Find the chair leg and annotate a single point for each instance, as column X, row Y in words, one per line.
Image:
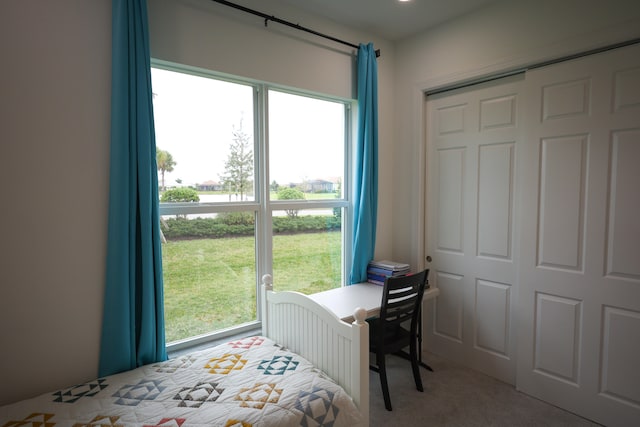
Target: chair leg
column 383, row 382
column 415, row 366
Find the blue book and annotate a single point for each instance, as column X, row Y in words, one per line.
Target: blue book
column 380, row 271
column 376, row 277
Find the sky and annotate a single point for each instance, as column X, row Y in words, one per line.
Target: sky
column 195, row 117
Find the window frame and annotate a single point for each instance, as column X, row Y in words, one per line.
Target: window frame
column 262, row 206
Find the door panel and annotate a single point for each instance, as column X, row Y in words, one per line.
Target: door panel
column 472, row 136
column 492, row 302
column 557, row 337
column 579, row 253
column 623, row 247
column 448, row 317
column 495, row 200
column 451, row 162
column 562, row 186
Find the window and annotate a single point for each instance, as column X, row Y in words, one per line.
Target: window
column 306, row 153
column 252, row 179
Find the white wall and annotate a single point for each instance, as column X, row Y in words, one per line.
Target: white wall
column 504, row 36
column 55, row 84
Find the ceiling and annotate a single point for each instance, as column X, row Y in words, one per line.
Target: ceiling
column 390, row 19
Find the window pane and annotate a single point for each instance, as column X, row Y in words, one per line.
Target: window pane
column 207, row 157
column 307, row 249
column 209, row 272
column 306, row 144
column 206, row 126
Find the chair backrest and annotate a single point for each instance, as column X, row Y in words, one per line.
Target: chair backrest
column 401, row 300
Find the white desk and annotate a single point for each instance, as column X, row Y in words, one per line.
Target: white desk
column 344, row 300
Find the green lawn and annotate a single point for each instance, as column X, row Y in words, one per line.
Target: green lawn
column 209, row 284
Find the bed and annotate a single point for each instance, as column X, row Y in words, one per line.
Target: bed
column 306, row 368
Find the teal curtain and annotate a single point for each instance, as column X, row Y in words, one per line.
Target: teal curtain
column 366, row 171
column 133, row 317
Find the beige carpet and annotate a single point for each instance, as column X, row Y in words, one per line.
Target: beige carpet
column 457, row 396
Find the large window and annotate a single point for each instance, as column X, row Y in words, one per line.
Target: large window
column 253, row 179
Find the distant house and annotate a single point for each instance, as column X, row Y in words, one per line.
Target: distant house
column 209, row 186
column 318, row 186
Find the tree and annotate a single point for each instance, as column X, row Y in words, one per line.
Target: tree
column 337, row 212
column 288, row 193
column 238, row 169
column 165, row 163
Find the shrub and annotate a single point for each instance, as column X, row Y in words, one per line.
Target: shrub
column 308, row 224
column 236, row 218
column 182, row 194
column 212, row 228
column 181, row 228
column 289, row 193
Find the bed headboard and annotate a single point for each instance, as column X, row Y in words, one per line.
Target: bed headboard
column 339, row 349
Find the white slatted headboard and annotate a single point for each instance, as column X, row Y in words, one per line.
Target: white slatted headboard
column 339, row 349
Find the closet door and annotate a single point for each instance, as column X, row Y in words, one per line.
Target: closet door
column 472, row 139
column 579, row 257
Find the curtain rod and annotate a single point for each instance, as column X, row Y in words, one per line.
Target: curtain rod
column 268, row 18
column 524, row 69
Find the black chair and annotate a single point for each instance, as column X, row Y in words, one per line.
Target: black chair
column 401, row 303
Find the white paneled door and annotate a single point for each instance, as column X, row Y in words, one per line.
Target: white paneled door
column 579, row 257
column 473, row 139
column 533, row 228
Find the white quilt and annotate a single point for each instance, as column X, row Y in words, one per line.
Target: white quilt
column 250, row 382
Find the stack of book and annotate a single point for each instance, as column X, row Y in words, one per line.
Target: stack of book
column 378, row 271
